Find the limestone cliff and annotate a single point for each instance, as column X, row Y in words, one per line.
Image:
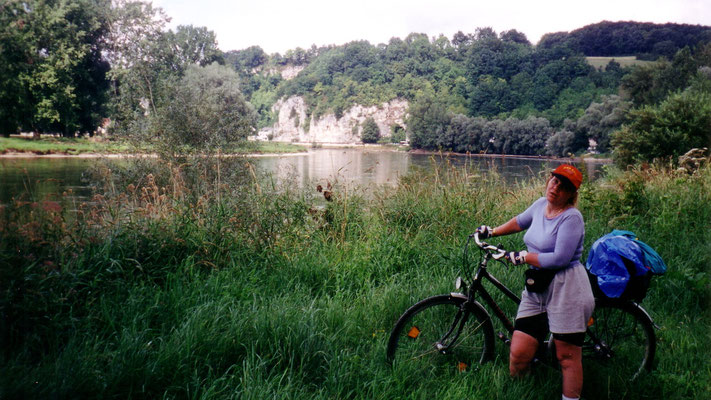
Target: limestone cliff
column 293, row 125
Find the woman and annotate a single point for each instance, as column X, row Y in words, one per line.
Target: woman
column 554, row 241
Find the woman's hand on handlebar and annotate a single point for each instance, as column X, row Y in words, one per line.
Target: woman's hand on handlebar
column 485, row 231
column 496, row 252
column 517, row 257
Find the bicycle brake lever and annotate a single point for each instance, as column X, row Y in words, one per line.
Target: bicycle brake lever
column 501, row 253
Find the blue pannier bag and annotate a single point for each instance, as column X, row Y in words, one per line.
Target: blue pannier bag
column 616, row 266
column 652, row 260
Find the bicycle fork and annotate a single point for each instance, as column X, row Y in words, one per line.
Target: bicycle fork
column 460, row 319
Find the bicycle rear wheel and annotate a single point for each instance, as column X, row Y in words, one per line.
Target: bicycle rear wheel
column 620, row 344
column 442, row 331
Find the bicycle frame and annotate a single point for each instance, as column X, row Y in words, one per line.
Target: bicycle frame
column 477, row 287
column 461, row 318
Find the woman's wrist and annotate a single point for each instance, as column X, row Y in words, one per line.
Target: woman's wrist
column 493, row 232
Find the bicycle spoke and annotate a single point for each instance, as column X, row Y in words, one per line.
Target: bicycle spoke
column 439, row 330
column 620, row 343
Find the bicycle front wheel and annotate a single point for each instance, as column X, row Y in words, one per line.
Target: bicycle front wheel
column 620, row 344
column 442, row 331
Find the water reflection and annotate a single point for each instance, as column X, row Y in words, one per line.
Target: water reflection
column 366, row 167
column 34, row 179
column 47, row 178
column 351, row 166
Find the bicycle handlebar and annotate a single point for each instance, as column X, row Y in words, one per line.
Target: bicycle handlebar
column 496, row 252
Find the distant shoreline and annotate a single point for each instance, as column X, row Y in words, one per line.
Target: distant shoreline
column 30, row 154
column 515, row 156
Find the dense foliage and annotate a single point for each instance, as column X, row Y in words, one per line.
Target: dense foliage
column 645, row 40
column 52, row 71
column 433, row 125
column 679, row 123
column 169, row 88
column 206, row 111
column 67, row 65
column 478, row 75
column 468, row 93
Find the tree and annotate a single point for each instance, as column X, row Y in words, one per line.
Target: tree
column 492, row 96
column 52, row 67
column 206, row 112
column 561, row 143
column 149, row 65
column 527, row 136
column 514, row 36
column 370, row 132
column 191, row 45
column 428, row 119
column 14, row 50
column 245, row 61
column 460, row 39
column 679, row 123
column 136, row 54
column 600, row 120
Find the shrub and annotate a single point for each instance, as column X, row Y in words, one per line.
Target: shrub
column 371, row 131
column 207, row 112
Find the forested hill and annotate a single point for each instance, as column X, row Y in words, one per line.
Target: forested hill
column 486, row 91
column 645, row 40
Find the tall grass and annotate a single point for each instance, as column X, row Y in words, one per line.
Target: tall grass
column 163, row 288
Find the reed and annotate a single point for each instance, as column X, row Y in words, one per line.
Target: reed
column 163, row 288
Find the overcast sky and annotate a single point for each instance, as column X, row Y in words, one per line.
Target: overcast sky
column 280, row 25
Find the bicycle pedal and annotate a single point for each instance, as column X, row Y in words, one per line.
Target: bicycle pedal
column 504, row 338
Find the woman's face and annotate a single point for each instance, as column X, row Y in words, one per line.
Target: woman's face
column 555, row 193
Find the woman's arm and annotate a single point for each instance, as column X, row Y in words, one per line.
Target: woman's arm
column 506, row 229
column 567, row 241
column 512, row 227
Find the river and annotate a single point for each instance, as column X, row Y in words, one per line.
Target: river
column 37, row 178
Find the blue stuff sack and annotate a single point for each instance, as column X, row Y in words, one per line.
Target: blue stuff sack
column 652, row 260
column 616, row 267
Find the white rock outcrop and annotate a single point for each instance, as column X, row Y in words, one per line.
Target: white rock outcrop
column 292, row 119
column 290, row 71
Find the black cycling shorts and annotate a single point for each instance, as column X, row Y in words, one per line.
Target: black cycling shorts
column 537, row 326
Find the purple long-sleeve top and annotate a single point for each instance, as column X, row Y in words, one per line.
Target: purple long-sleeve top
column 558, row 240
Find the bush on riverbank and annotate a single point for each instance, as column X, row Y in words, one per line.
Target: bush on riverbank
column 157, row 291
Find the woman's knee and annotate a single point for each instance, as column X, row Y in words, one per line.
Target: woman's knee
column 569, row 355
column 523, row 349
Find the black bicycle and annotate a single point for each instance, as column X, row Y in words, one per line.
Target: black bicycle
column 455, row 330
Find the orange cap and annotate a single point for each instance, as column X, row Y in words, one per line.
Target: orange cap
column 570, row 173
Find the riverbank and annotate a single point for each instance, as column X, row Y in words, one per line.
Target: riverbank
column 54, row 147
column 88, row 148
column 584, row 157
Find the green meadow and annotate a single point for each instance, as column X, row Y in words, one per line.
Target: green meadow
column 209, row 283
column 624, row 61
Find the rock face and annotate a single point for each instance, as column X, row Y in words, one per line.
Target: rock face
column 291, row 71
column 294, row 126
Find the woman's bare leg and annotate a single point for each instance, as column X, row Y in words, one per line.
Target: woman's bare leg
column 570, row 358
column 523, row 349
